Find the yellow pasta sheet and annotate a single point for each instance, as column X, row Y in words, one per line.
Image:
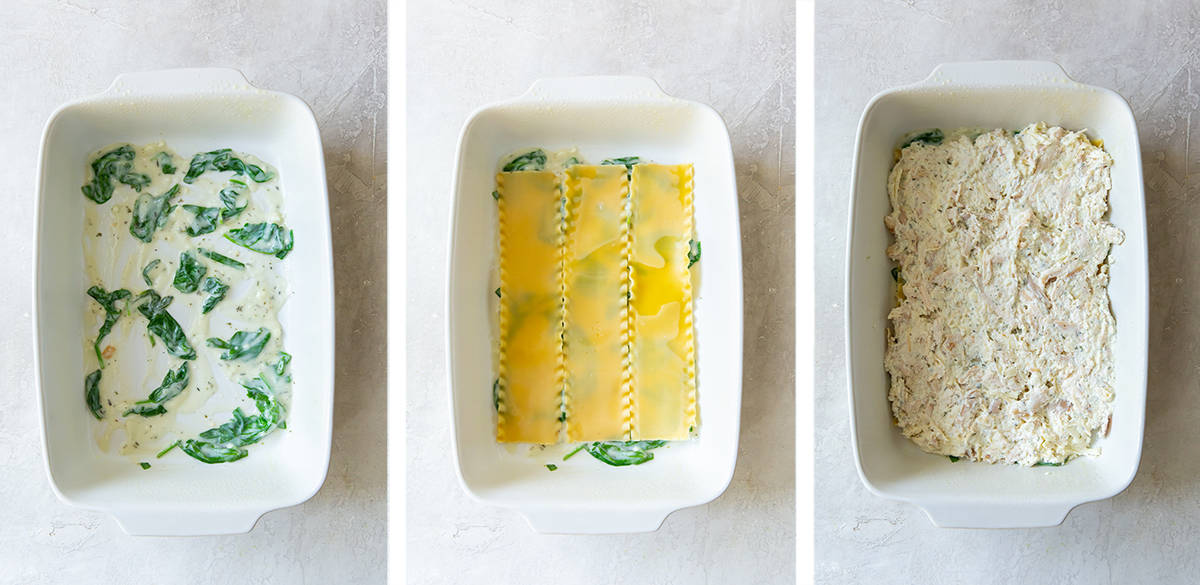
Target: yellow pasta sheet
column 597, row 283
column 664, row 386
column 530, row 385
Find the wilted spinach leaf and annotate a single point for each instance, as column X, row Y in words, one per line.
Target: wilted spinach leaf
column 116, row 164
column 172, row 385
column 205, row 220
column 934, row 136
column 621, row 453
column 216, row 290
column 165, row 163
column 91, row 394
column 534, row 160
column 267, row 238
column 244, row 345
column 187, row 277
column 285, row 358
column 164, row 325
column 229, row 199
column 223, row 160
column 221, row 258
column 107, row 300
column 693, row 252
column 150, row 266
column 625, row 161
column 150, row 213
column 227, row 442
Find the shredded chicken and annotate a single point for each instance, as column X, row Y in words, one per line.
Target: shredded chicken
column 1000, row 348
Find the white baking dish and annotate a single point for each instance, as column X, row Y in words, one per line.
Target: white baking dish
column 603, row 117
column 1000, row 94
column 193, row 110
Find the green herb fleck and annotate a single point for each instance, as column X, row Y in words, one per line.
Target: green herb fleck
column 167, row 450
column 223, row 160
column 116, row 164
column 1048, row 464
column 496, row 195
column 91, row 394
column 150, row 214
column 953, row 458
column 496, row 394
column 551, row 466
column 144, row 464
column 244, row 345
column 266, row 238
column 497, row 292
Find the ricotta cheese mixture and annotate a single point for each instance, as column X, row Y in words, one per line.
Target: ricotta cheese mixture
column 183, row 340
column 1000, row 349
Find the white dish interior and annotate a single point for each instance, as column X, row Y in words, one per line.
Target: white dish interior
column 603, row 117
column 192, row 110
column 964, row 494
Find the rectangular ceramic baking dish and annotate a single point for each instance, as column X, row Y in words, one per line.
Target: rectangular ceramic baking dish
column 998, row 94
column 603, row 117
column 193, row 110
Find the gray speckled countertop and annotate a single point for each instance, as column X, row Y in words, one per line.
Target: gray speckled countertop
column 739, row 59
column 1146, row 52
column 333, row 58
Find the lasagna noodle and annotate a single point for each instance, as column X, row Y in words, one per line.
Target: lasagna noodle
column 596, row 308
column 662, row 349
column 530, row 363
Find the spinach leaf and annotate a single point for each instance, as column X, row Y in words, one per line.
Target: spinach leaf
column 266, row 238
column 572, row 453
column 896, row 273
column 172, row 385
column 220, row 258
column 621, row 453
column 146, row 408
column 205, row 220
column 551, row 466
column 227, row 442
column 91, row 394
column 223, row 160
column 496, row 394
column 934, row 136
column 572, row 162
column 167, row 450
column 115, row 164
column 534, row 160
column 693, row 252
column 187, row 277
column 216, row 290
column 496, row 195
column 165, row 326
column 244, row 345
column 165, row 163
column 285, row 358
column 144, row 465
column 150, row 214
column 1048, row 464
column 497, row 291
column 953, row 458
column 148, row 269
column 626, row 161
column 107, row 300
column 229, row 198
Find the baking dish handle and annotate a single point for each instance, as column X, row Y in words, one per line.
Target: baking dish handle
column 178, row 81
column 592, row 88
column 186, row 522
column 605, row 521
column 997, row 73
column 996, row 515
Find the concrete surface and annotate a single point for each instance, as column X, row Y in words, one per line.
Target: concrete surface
column 1148, row 53
column 52, row 52
column 740, row 60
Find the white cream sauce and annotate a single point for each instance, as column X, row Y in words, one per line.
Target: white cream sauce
column 114, row 259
